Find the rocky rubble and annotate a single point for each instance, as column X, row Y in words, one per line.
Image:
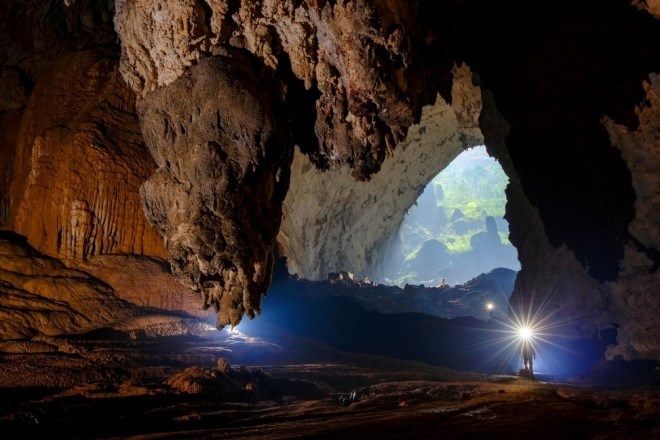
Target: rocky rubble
column 241, row 385
column 469, row 299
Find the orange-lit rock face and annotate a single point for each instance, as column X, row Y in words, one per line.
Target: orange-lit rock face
column 40, row 295
column 10, row 120
column 34, row 34
column 79, row 163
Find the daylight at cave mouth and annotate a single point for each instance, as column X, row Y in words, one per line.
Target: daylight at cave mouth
column 456, row 229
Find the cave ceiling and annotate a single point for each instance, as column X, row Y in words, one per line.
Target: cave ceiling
column 235, row 100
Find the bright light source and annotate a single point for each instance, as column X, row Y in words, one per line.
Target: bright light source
column 525, row 333
column 490, row 306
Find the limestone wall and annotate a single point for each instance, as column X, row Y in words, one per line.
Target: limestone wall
column 333, row 222
column 79, row 162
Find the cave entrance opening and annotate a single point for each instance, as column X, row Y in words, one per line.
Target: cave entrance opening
column 456, row 229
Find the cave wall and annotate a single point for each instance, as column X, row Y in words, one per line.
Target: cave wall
column 75, row 157
column 553, row 292
column 79, row 162
column 594, row 65
column 34, row 33
column 633, row 298
column 587, row 265
column 13, row 100
column 72, row 161
column 333, row 222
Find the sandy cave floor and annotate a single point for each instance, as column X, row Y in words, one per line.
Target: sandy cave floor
column 146, row 389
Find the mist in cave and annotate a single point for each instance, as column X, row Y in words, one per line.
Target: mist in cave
column 456, row 230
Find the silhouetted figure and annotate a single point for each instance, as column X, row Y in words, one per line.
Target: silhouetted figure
column 528, row 355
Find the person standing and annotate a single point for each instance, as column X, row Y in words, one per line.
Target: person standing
column 528, row 355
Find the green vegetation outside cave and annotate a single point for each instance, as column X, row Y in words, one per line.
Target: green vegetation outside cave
column 453, row 208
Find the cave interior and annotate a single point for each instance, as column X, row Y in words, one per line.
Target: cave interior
column 201, row 206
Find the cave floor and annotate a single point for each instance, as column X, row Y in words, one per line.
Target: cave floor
column 81, row 388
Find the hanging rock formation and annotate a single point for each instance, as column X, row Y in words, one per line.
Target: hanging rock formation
column 223, row 172
column 352, row 61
